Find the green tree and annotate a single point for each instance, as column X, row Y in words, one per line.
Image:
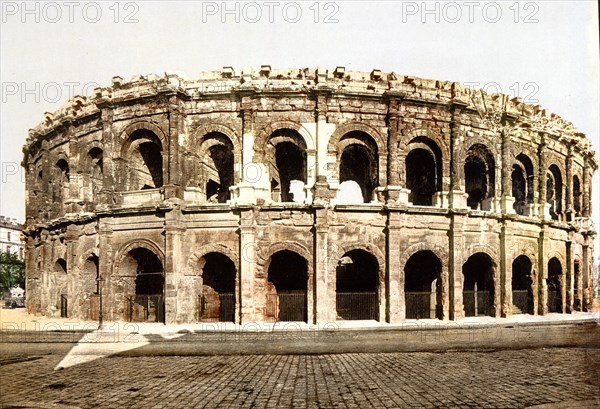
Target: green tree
column 12, row 271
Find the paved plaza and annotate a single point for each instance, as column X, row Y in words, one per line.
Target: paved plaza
column 491, row 379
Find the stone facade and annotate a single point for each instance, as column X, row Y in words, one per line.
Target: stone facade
column 305, row 195
column 10, row 236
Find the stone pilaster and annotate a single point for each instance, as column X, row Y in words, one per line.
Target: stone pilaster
column 246, row 300
column 113, row 309
column 396, row 310
column 543, row 207
column 569, row 211
column 324, row 285
column 542, row 270
column 174, row 262
column 569, row 279
column 457, row 198
column 505, row 270
column 455, row 277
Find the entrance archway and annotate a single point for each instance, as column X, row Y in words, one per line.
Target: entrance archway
column 554, row 285
column 287, row 287
column 522, row 294
column 423, row 285
column 147, row 303
column 357, row 286
column 478, row 287
column 217, row 301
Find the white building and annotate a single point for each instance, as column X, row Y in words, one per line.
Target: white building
column 10, row 236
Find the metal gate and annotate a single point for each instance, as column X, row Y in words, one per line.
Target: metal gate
column 217, row 308
column 286, row 306
column 477, row 303
column 63, row 306
column 419, row 304
column 145, row 308
column 357, row 306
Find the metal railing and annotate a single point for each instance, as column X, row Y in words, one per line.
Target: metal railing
column 554, row 301
column 217, row 307
column 477, row 303
column 286, row 306
column 420, row 304
column 63, row 306
column 357, row 306
column 522, row 301
column 145, row 308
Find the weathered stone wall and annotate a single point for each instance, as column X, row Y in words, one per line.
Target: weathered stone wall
column 132, row 191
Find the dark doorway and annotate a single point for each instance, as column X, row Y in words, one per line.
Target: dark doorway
column 478, row 288
column 522, row 294
column 357, row 276
column 421, row 177
column 554, row 285
column 148, row 302
column 287, row 287
column 217, row 302
column 423, row 285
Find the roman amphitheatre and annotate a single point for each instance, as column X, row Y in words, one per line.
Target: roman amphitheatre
column 315, row 195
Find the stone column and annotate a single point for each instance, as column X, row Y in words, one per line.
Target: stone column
column 396, row 309
column 542, row 293
column 505, row 271
column 569, row 212
column 587, row 180
column 245, row 300
column 586, row 277
column 506, row 184
column 110, row 150
column 457, row 197
column 174, row 178
column 455, row 278
column 324, row 286
column 113, row 309
column 174, row 263
column 569, row 277
column 543, row 207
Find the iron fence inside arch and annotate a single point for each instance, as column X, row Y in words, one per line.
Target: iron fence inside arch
column 286, row 306
column 217, row 307
column 477, row 303
column 357, row 305
column 145, row 308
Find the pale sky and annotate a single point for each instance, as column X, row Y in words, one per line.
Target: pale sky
column 544, row 51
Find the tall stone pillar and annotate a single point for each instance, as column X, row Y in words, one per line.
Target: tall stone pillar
column 569, row 211
column 174, row 262
column 245, row 305
column 396, row 309
column 113, row 309
column 505, row 270
column 543, row 207
column 587, row 182
column 506, row 186
column 457, row 197
column 542, row 267
column 569, row 279
column 174, row 178
column 110, row 150
column 324, row 285
column 586, row 276
column 396, row 183
column 455, row 278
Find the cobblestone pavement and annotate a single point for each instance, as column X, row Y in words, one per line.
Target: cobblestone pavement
column 492, row 379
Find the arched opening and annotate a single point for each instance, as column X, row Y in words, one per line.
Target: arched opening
column 576, row 283
column 522, row 292
column 357, row 283
column 554, row 285
column 145, row 160
column 59, row 284
column 478, row 285
column 287, row 165
column 147, row 303
column 95, row 159
column 90, row 286
column 522, row 184
column 479, row 176
column 423, row 286
column 423, row 171
column 359, row 163
column 217, row 159
column 576, row 196
column 217, row 301
column 287, row 287
column 554, row 190
column 64, row 172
